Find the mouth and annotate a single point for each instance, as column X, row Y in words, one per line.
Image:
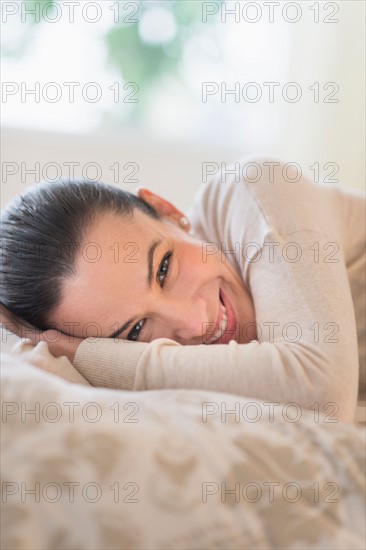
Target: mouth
column 226, row 323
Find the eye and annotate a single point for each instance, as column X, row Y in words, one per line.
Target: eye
column 161, row 276
column 164, row 268
column 135, row 332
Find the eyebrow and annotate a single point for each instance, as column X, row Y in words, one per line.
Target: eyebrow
column 150, row 275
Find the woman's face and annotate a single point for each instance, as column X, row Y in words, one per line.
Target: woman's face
column 152, row 279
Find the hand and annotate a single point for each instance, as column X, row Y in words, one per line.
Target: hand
column 59, row 344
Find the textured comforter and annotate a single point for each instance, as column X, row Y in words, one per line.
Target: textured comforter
column 91, row 468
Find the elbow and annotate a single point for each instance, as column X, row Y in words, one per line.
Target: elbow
column 338, row 398
column 332, row 383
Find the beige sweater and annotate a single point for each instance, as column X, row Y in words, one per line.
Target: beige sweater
column 305, row 270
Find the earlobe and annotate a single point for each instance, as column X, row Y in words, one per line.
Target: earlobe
column 184, row 224
column 164, row 207
column 183, row 221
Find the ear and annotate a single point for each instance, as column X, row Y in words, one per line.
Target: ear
column 165, row 208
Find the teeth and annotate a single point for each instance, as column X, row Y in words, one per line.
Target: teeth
column 223, row 326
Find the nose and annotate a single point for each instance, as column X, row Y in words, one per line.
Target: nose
column 186, row 320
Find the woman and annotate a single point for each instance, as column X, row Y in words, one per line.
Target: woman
column 261, row 294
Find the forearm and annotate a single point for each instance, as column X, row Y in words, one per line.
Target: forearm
column 276, row 372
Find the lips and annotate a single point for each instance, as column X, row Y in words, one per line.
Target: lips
column 226, row 329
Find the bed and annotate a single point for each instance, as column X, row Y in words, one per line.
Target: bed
column 93, row 468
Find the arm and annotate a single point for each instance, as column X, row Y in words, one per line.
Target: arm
column 307, row 349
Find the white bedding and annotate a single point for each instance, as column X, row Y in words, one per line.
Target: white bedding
column 150, row 469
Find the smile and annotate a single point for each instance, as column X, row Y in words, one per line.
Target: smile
column 226, row 323
column 222, row 324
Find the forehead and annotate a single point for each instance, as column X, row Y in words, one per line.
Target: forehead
column 117, row 246
column 110, row 226
column 110, row 269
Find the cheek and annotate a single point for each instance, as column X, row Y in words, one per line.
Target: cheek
column 200, row 263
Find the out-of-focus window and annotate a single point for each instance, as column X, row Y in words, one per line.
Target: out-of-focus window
column 159, row 65
column 282, row 76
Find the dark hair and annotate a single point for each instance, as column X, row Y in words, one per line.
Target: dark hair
column 42, row 232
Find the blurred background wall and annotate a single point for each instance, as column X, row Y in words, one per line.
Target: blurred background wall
column 152, row 92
